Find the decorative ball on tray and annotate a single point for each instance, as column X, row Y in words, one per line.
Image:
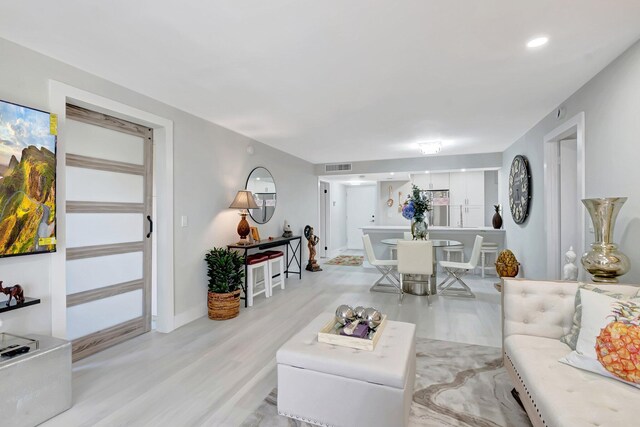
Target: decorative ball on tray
column 359, row 322
column 344, row 314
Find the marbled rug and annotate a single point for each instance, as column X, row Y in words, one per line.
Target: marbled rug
column 456, row 385
column 348, row 260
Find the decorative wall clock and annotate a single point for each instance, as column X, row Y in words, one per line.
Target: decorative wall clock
column 519, row 189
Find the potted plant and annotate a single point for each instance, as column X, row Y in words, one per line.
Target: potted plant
column 225, row 269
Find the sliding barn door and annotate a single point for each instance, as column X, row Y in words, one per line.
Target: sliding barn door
column 108, row 230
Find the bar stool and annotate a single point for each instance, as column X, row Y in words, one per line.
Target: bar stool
column 257, row 262
column 448, row 250
column 276, row 270
column 487, row 249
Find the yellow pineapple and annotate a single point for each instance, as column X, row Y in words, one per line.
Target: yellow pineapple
column 618, row 345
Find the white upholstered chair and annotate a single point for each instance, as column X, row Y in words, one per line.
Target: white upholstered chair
column 407, row 236
column 455, row 271
column 415, row 257
column 386, row 267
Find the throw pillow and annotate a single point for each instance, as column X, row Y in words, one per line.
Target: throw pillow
column 571, row 339
column 609, row 339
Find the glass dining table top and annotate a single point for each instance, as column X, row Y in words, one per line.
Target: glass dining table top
column 437, row 243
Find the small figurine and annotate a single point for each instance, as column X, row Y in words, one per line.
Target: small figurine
column 313, row 240
column 14, row 292
column 570, row 269
column 287, row 229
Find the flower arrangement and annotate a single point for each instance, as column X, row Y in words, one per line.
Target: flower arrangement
column 415, row 209
column 416, row 206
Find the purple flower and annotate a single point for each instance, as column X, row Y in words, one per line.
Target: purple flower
column 408, row 210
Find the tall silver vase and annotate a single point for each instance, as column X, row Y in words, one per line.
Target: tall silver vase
column 604, row 261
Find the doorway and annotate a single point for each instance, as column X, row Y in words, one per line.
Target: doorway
column 564, row 185
column 361, row 211
column 109, row 229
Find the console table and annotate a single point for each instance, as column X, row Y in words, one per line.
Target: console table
column 37, row 385
column 293, row 255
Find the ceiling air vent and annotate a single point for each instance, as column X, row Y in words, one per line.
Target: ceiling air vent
column 338, row 167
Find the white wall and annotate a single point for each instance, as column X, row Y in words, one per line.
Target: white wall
column 490, row 196
column 611, row 103
column 389, row 215
column 338, row 217
column 430, row 163
column 210, row 164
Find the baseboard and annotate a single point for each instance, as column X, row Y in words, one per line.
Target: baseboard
column 189, row 315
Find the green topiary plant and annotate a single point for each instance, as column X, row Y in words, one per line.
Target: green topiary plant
column 225, row 269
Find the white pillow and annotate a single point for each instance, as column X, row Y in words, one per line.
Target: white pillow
column 597, row 311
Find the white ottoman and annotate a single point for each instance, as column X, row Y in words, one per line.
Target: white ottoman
column 329, row 385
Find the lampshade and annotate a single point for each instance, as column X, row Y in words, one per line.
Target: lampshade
column 244, row 200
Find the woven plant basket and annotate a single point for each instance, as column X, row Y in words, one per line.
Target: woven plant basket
column 224, row 306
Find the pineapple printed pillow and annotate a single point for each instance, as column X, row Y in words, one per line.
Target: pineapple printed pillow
column 609, row 339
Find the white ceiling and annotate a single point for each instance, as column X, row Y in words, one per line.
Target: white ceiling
column 337, row 80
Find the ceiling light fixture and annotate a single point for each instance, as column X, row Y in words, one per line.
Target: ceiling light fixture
column 426, row 171
column 391, row 173
column 428, row 148
column 537, row 42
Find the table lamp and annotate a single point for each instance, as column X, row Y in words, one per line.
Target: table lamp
column 244, row 200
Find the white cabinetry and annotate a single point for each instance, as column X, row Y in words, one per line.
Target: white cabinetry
column 466, row 192
column 432, row 181
column 439, row 181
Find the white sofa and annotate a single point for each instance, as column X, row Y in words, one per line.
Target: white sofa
column 535, row 315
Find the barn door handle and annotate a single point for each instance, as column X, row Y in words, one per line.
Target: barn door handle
column 150, row 226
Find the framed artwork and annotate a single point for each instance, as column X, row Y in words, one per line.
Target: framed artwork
column 27, row 180
column 255, row 234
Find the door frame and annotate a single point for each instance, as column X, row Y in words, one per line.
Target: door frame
column 574, row 125
column 162, row 248
column 325, row 217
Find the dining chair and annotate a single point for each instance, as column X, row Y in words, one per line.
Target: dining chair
column 386, row 267
column 456, row 270
column 415, row 257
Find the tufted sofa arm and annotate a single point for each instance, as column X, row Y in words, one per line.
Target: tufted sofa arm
column 538, row 308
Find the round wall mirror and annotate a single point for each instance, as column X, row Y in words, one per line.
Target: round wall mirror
column 263, row 188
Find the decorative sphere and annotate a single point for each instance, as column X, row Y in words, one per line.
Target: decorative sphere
column 373, row 317
column 344, row 314
column 359, row 311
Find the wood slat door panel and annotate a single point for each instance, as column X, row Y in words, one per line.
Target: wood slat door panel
column 109, row 205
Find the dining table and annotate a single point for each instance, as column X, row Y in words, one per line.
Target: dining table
column 410, row 287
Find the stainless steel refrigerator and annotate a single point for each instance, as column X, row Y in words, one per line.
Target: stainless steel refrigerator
column 439, row 215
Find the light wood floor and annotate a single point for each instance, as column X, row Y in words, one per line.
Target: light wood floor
column 216, row 373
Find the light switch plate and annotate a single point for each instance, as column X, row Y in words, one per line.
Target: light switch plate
column 184, row 221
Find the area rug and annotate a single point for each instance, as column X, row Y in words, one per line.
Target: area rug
column 349, row 260
column 456, row 385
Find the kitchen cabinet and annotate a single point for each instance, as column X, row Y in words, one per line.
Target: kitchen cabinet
column 432, row 181
column 439, row 181
column 466, row 193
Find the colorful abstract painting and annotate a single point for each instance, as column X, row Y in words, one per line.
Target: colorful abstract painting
column 27, row 181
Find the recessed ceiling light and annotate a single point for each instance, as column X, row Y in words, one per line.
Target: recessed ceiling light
column 537, row 42
column 463, row 170
column 391, row 173
column 426, row 171
column 427, row 148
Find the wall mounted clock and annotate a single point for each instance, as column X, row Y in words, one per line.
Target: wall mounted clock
column 519, row 189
